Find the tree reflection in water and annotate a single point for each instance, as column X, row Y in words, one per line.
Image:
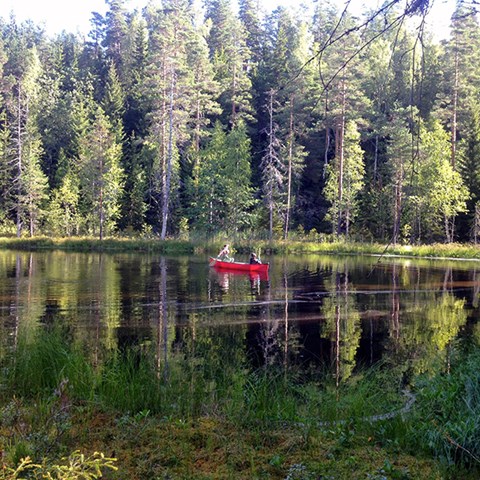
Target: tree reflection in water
column 310, row 313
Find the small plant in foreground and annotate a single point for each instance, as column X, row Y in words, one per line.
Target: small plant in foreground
column 298, row 471
column 76, row 467
column 390, row 472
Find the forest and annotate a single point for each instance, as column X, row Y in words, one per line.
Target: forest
column 175, row 122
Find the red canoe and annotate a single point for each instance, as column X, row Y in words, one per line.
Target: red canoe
column 239, row 266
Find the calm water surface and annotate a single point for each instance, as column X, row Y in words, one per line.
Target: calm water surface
column 311, row 312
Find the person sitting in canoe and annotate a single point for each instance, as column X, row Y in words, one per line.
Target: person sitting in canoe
column 224, row 254
column 254, row 260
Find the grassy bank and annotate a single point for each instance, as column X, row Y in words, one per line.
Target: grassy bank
column 83, row 244
column 197, row 420
column 308, row 245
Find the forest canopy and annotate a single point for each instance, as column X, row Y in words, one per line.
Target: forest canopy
column 173, row 122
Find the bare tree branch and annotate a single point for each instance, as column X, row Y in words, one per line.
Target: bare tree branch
column 412, row 7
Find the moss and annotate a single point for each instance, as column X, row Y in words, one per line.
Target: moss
column 213, row 448
column 216, row 449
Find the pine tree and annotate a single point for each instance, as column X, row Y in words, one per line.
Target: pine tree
column 462, row 75
column 293, row 78
column 167, row 85
column 115, row 40
column 398, row 166
column 29, row 184
column 341, row 75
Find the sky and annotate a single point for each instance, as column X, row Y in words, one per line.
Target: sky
column 74, row 15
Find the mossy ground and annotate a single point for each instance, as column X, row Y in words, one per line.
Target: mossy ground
column 210, row 448
column 148, row 447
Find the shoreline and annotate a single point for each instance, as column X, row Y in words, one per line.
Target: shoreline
column 455, row 251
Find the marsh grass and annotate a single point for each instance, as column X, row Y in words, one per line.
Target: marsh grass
column 446, row 420
column 38, row 367
column 212, row 409
column 89, row 244
column 307, row 244
column 135, row 381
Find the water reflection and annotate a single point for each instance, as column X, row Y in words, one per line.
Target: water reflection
column 256, row 279
column 309, row 313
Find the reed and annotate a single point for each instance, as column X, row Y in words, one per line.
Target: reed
column 38, row 367
column 89, row 244
column 135, row 381
column 446, row 421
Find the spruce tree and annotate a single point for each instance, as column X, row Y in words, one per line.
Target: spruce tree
column 231, row 58
column 207, row 189
column 344, row 202
column 469, row 169
column 29, row 183
column 101, row 177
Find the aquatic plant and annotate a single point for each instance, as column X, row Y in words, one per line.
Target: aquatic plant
column 446, row 419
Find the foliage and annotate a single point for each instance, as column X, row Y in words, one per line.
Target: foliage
column 205, row 408
column 220, row 191
column 234, row 124
column 345, row 202
column 449, row 406
column 77, row 466
column 101, row 176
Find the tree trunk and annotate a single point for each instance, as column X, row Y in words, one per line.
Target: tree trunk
column 289, row 173
column 454, row 112
column 340, row 155
column 397, row 208
column 168, row 177
column 102, row 215
column 271, row 153
column 340, row 159
column 327, row 136
column 19, row 163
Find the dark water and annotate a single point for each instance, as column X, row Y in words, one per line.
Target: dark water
column 311, row 312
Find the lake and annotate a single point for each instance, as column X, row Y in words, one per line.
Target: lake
column 311, row 313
